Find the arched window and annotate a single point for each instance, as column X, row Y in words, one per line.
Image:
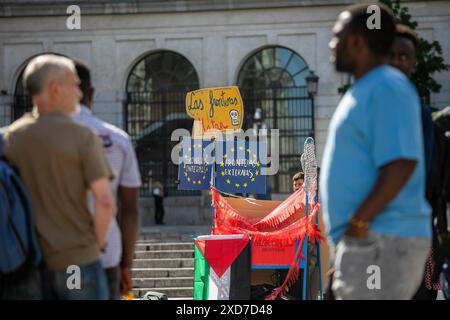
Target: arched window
column 273, row 67
column 155, row 106
column 22, row 101
column 273, row 81
column 163, row 70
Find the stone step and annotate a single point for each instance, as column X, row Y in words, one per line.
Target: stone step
column 149, row 241
column 176, row 229
column 161, row 237
column 177, row 292
column 146, row 246
column 162, row 272
column 163, row 282
column 173, row 233
column 164, row 263
column 164, row 254
column 186, row 201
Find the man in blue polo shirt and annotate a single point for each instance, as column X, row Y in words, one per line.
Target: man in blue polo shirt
column 373, row 180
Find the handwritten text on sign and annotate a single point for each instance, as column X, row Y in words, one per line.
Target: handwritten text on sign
column 216, row 108
column 195, row 168
column 240, row 169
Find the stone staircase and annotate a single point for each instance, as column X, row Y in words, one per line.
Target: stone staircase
column 164, row 261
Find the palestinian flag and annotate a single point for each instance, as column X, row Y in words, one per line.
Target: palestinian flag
column 222, row 267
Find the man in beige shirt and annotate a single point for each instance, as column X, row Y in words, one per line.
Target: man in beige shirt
column 59, row 161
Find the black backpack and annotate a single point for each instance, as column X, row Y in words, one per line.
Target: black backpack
column 441, row 206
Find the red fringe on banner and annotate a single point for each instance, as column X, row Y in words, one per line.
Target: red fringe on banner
column 281, row 227
column 292, row 275
column 285, row 212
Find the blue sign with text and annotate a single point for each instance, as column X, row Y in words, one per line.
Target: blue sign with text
column 239, row 167
column 195, row 164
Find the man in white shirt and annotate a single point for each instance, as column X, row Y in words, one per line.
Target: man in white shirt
column 118, row 257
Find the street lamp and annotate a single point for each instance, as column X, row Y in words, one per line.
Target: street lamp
column 258, row 123
column 258, row 114
column 312, row 81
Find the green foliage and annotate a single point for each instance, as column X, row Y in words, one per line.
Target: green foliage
column 429, row 55
column 343, row 89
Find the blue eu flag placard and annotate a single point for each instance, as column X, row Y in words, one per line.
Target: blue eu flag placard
column 194, row 172
column 239, row 166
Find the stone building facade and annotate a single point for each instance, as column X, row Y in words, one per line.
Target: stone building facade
column 150, row 52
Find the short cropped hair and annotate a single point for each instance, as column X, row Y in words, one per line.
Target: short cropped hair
column 406, row 32
column 379, row 40
column 43, row 68
column 84, row 74
column 298, row 176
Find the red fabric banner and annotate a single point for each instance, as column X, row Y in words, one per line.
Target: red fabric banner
column 282, row 227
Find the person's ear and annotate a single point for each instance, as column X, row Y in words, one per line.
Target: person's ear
column 356, row 42
column 53, row 89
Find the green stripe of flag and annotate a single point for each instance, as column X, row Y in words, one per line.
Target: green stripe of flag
column 201, row 275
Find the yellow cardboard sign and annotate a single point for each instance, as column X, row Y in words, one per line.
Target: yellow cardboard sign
column 215, row 109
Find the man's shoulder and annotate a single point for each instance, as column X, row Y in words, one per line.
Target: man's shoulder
column 78, row 129
column 118, row 133
column 23, row 122
column 76, row 125
column 102, row 126
column 119, row 137
column 393, row 88
column 394, row 81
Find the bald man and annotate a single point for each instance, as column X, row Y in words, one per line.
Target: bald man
column 59, row 161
